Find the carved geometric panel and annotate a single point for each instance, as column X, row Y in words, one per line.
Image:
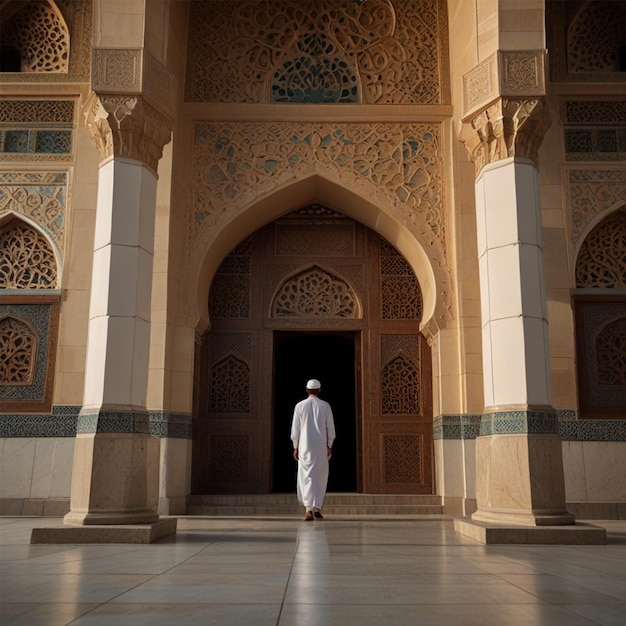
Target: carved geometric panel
column 602, row 258
column 401, row 296
column 26, row 258
column 587, row 112
column 238, row 344
column 402, row 456
column 322, row 240
column 610, row 352
column 228, row 458
column 28, row 341
column 229, row 297
column 18, row 352
column 229, row 390
column 52, row 112
column 377, row 52
column 400, row 388
column 315, row 293
column 601, row 361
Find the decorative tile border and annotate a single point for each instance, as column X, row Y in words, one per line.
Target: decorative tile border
column 171, row 425
column 593, row 430
column 457, row 426
column 113, row 422
column 63, row 420
column 514, row 422
column 66, row 421
column 567, row 425
column 60, row 423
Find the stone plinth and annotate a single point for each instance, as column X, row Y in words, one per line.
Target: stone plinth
column 570, row 534
column 130, row 533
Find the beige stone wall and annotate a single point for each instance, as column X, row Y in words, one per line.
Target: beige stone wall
column 69, row 378
column 467, row 31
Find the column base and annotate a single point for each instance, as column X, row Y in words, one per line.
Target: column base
column 110, row 517
column 500, row 533
column 534, row 518
column 123, row 533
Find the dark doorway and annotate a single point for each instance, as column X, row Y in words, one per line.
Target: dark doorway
column 330, row 357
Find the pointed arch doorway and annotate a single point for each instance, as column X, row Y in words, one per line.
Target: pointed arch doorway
column 330, row 357
column 314, row 279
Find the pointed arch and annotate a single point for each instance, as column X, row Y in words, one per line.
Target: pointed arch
column 414, row 241
column 601, row 260
column 39, row 34
column 27, row 258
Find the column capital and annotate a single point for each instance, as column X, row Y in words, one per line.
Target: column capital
column 509, row 127
column 504, row 109
column 127, row 126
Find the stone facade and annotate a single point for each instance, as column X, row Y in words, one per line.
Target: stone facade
column 483, row 145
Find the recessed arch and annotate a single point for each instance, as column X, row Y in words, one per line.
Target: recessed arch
column 601, row 252
column 416, row 243
column 39, row 33
column 29, row 257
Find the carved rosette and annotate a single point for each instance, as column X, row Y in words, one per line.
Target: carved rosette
column 127, row 126
column 509, row 127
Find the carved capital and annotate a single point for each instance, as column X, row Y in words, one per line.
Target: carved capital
column 127, row 126
column 509, row 127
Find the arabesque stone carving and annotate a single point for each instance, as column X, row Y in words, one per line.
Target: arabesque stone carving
column 400, row 162
column 40, row 196
column 592, row 192
column 601, row 261
column 372, row 51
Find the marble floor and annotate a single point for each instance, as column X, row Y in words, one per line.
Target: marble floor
column 258, row 572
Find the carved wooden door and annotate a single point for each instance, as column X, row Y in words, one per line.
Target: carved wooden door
column 314, row 271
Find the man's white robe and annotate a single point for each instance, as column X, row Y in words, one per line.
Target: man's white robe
column 312, row 432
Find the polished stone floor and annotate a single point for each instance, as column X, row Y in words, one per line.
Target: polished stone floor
column 259, row 572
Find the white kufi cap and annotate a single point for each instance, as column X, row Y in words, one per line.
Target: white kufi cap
column 314, row 384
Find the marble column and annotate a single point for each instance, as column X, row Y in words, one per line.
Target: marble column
column 116, row 461
column 519, row 467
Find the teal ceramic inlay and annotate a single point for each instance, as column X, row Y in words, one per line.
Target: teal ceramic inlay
column 113, row 422
column 62, row 422
column 171, row 425
column 38, row 141
column 514, row 422
column 66, row 420
column 589, row 141
column 570, row 428
column 314, row 77
column 457, row 426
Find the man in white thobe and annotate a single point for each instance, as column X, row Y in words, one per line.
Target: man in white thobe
column 312, row 434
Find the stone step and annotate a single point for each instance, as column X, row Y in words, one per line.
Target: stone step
column 334, row 504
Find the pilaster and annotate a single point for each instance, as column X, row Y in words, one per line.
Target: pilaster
column 116, row 462
column 519, row 467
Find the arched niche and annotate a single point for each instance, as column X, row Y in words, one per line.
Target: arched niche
column 419, row 249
